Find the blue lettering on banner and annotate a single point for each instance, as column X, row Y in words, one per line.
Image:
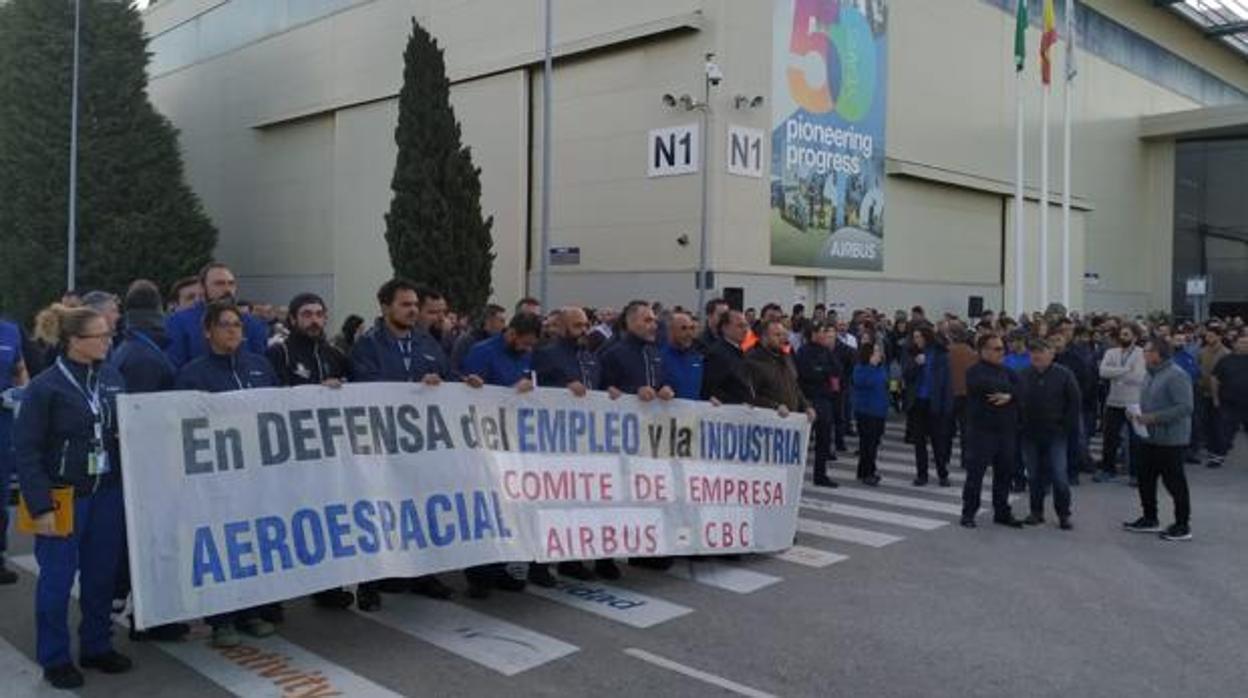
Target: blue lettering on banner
column 239, row 550
column 541, row 430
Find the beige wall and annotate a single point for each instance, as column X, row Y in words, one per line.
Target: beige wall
column 289, row 141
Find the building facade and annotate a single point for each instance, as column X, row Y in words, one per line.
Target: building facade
column 287, row 110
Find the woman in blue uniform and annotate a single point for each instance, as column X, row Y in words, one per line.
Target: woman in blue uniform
column 227, row 367
column 66, row 437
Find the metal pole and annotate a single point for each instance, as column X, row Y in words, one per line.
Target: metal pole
column 1066, row 152
column 703, row 147
column 1044, row 197
column 1020, row 251
column 72, row 230
column 545, row 237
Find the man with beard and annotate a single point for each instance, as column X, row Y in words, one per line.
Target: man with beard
column 307, row 358
column 1123, row 366
column 724, row 378
column 185, row 328
column 492, row 321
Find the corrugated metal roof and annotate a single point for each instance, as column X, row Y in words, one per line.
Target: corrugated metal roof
column 1220, row 20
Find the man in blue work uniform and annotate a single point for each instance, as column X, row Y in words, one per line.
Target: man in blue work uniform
column 400, row 349
column 12, row 377
column 634, row 365
column 682, row 362
column 504, row 360
column 185, row 328
column 567, row 362
column 141, row 360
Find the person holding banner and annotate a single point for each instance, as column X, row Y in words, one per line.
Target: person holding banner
column 68, row 453
column 505, row 360
column 567, row 363
column 724, row 378
column 634, row 365
column 398, row 349
column 228, row 367
column 306, row 357
column 141, row 360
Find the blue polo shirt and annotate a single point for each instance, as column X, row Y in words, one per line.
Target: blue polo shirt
column 682, row 370
column 494, row 362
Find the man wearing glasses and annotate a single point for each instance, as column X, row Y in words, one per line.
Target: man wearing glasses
column 992, row 416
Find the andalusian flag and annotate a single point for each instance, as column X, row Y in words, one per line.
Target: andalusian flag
column 1020, row 37
column 1047, row 39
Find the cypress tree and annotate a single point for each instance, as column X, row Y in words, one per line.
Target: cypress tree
column 434, row 230
column 137, row 217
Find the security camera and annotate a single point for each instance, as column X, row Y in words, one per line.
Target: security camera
column 669, row 100
column 713, row 72
column 683, row 240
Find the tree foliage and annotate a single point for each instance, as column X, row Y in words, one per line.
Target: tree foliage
column 137, row 217
column 435, row 231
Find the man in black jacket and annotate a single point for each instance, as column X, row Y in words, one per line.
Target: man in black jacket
column 1051, row 400
column 724, row 379
column 992, row 415
column 307, row 358
column 820, row 374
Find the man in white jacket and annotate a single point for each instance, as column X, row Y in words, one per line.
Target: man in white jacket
column 1123, row 366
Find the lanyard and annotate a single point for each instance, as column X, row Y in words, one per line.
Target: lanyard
column 405, row 350
column 92, row 397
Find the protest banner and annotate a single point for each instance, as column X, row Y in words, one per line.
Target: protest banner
column 238, row 499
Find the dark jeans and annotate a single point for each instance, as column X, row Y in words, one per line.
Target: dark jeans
column 925, row 426
column 988, row 448
column 1209, row 418
column 1115, row 422
column 1076, row 447
column 1045, row 457
column 825, row 422
column 1230, row 419
column 1166, row 462
column 870, row 432
column 840, row 419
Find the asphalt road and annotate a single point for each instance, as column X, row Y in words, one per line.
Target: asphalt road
column 886, row 596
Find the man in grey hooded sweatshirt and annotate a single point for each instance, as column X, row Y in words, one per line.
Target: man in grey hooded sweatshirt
column 1166, row 414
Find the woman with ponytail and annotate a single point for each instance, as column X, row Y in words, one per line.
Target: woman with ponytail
column 66, row 442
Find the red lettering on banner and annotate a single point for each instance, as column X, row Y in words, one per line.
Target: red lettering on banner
column 558, row 486
column 650, row 488
column 723, row 535
column 729, row 490
column 585, row 542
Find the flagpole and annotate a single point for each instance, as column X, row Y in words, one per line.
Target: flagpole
column 1067, row 107
column 1020, row 301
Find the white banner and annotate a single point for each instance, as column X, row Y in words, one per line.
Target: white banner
column 239, row 499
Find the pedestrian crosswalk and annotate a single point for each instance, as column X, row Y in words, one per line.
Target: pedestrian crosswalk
column 836, row 527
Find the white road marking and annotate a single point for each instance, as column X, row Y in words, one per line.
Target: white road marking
column 610, row 602
column 496, row 644
column 722, row 575
column 889, row 517
column 271, row 667
column 848, row 534
column 22, row 677
column 809, row 557
column 896, row 500
column 705, row 677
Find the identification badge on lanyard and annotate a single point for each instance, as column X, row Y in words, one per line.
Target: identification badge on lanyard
column 97, row 456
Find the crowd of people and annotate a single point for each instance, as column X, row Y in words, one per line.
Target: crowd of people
column 1021, row 395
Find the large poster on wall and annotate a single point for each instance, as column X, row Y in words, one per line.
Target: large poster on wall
column 829, row 80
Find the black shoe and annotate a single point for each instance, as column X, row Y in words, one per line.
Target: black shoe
column 273, row 613
column 944, row 481
column 1214, row 463
column 367, row 600
column 478, row 588
column 333, row 598
column 1009, row 521
column 607, row 569
column 171, row 632
column 541, row 576
column 871, row 481
column 1177, row 532
column 506, row 582
column 63, row 676
column 968, row 523
column 825, row 482
column 1142, row 525
column 7, row 576
column 1064, row 524
column 576, row 570
column 431, row 586
column 394, row 585
column 920, row 482
column 111, row 662
column 1033, row 520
